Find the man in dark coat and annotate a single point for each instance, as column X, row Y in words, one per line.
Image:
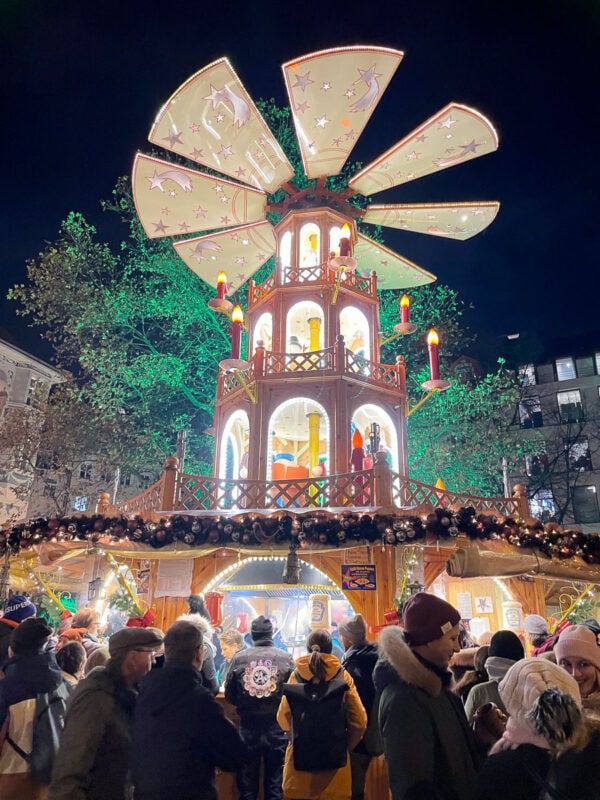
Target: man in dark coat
column 180, row 733
column 359, row 660
column 30, row 670
column 254, row 686
column 428, row 746
column 93, row 759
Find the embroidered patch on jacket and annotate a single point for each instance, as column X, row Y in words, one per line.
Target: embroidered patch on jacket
column 260, row 678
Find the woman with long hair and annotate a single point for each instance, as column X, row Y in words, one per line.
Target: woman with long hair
column 319, row 666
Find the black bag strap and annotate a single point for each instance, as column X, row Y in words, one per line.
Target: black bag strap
column 547, row 790
column 17, row 749
column 300, row 679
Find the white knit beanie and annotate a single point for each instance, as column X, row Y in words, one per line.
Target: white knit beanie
column 526, row 680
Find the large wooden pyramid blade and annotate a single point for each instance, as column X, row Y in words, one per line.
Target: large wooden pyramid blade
column 332, row 95
column 239, row 252
column 451, row 220
column 172, row 200
column 452, row 136
column 212, row 120
column 393, row 271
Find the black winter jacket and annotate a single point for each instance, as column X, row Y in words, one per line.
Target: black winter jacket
column 255, row 681
column 180, row 734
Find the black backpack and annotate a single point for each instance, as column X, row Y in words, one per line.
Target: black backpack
column 319, row 731
column 48, row 722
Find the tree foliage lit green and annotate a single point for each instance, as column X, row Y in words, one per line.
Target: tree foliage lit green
column 134, row 329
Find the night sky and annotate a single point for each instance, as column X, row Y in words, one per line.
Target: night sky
column 82, row 82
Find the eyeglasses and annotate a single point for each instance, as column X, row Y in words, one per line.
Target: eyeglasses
column 142, row 650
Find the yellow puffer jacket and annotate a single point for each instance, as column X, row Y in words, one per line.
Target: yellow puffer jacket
column 334, row 784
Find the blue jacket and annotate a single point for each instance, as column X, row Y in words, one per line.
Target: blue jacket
column 180, row 734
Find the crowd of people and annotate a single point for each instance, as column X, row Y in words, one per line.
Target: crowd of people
column 142, row 721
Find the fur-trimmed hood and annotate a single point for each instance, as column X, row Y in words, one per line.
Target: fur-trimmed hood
column 397, row 660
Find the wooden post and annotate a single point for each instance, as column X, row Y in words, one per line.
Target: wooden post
column 382, row 480
column 520, row 495
column 168, row 498
column 103, row 504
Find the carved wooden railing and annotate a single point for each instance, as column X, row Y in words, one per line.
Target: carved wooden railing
column 377, row 487
column 289, row 363
column 297, row 276
column 387, row 375
column 351, row 489
column 407, row 493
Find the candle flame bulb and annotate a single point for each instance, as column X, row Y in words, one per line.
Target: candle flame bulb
column 237, row 314
column 404, row 308
column 357, row 439
column 237, row 319
column 434, row 361
column 221, row 285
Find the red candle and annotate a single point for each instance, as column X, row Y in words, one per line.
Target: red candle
column 404, row 308
column 344, row 247
column 221, row 285
column 237, row 319
column 358, row 454
column 434, row 359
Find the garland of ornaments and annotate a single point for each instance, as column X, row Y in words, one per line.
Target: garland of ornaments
column 306, row 530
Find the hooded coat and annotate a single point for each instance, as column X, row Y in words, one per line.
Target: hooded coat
column 26, row 675
column 331, row 784
column 428, row 746
column 93, row 758
column 180, row 734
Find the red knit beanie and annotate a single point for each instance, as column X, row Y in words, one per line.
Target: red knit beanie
column 427, row 617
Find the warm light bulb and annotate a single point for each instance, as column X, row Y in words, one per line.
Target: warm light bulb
column 237, row 315
column 404, row 301
column 432, row 337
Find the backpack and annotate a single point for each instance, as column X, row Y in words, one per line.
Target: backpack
column 319, row 733
column 48, row 722
column 372, row 741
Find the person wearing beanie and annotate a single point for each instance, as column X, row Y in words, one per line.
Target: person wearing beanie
column 30, row 670
column 359, row 659
column 93, row 760
column 547, row 749
column 429, row 749
column 578, row 653
column 17, row 609
column 505, row 650
column 254, row 685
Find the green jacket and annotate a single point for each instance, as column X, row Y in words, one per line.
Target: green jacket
column 428, row 745
column 93, row 759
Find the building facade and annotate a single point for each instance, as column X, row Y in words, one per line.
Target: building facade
column 25, row 382
column 557, row 423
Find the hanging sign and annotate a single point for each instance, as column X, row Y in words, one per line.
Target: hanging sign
column 356, row 577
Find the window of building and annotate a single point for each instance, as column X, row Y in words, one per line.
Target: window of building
column 565, row 369
column 125, row 480
column 579, row 455
column 597, row 360
column 530, row 413
column 542, row 505
column 85, row 471
column 80, row 503
column 50, row 487
column 545, row 373
column 536, row 465
column 585, row 367
column 144, row 481
column 569, row 406
column 527, row 375
column 585, row 504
